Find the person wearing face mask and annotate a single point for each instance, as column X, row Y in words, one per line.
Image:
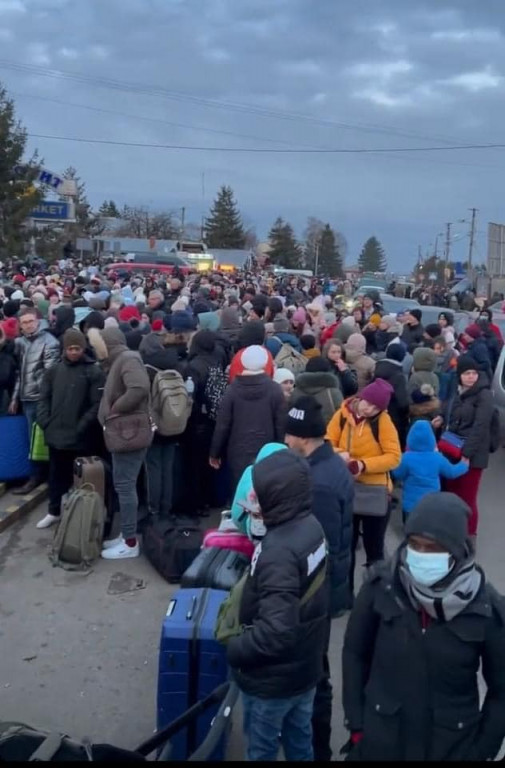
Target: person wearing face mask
column 364, row 435
column 422, row 626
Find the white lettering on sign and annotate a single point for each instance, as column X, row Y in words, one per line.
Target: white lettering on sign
column 295, row 413
column 315, row 558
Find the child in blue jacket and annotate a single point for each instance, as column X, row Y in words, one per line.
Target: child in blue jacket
column 422, row 466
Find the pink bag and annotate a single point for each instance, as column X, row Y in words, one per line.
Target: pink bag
column 234, row 540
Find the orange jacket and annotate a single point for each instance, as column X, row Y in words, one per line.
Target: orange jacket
column 358, row 440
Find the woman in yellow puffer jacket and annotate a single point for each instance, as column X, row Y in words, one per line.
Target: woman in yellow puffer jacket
column 365, row 437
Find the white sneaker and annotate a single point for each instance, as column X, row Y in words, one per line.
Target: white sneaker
column 48, row 521
column 120, row 551
column 109, row 543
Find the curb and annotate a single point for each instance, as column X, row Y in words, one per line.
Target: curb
column 22, row 507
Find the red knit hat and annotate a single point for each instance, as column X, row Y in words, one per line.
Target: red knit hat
column 10, row 327
column 157, row 325
column 128, row 313
column 19, row 278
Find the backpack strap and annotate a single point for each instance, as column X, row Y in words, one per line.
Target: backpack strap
column 374, row 426
column 48, row 748
column 315, row 586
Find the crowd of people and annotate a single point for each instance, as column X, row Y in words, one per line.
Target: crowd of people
column 351, row 405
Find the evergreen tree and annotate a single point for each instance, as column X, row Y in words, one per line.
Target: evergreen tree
column 17, row 194
column 224, row 228
column 372, row 258
column 284, row 249
column 109, row 209
column 329, row 261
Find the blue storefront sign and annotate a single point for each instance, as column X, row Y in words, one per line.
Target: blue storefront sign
column 51, row 210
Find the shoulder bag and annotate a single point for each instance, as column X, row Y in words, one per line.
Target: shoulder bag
column 369, row 500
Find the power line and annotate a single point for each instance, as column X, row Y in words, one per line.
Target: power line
column 206, row 129
column 144, row 89
column 268, row 150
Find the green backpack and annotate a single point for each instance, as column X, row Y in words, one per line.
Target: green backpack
column 228, row 618
column 78, row 539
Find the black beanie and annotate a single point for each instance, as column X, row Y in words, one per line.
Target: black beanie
column 466, row 363
column 396, row 351
column 432, row 330
column 417, row 313
column 318, row 364
column 10, row 307
column 442, row 517
column 305, row 418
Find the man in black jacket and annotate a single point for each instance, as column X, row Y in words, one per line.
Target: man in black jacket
column 277, row 660
column 413, row 330
column 332, row 502
column 67, row 412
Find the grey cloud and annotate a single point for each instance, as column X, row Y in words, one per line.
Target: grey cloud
column 388, row 74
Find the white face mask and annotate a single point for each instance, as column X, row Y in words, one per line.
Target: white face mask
column 428, row 568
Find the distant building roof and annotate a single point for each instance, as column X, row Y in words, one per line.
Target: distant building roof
column 137, row 244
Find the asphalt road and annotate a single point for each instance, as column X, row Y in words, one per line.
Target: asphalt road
column 79, row 659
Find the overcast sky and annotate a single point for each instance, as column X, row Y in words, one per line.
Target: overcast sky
column 273, row 74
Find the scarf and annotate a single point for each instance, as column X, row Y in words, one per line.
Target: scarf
column 447, row 601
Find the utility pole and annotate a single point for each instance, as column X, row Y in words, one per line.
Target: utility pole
column 317, row 259
column 183, row 216
column 447, row 251
column 472, row 238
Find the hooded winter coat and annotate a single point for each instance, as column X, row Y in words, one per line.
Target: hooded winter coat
column 322, row 386
column 127, row 387
column 357, row 359
column 412, row 691
column 230, row 325
column 425, row 363
column 203, row 355
column 251, row 414
column 422, row 466
column 64, row 319
column 357, row 439
column 280, row 653
column 469, row 415
column 392, row 371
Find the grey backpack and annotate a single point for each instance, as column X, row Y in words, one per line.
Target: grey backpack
column 78, row 540
column 170, row 402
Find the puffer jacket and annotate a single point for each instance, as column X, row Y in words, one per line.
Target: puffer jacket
column 280, row 652
column 358, row 440
column 251, row 414
column 35, row 355
column 321, row 385
column 68, row 405
column 127, row 387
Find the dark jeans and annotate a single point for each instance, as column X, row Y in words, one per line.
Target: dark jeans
column 321, row 716
column 39, row 468
column 265, row 719
column 61, row 476
column 374, row 532
column 160, row 461
column 125, row 471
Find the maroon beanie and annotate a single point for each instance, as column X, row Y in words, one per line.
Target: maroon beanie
column 474, row 331
column 377, row 393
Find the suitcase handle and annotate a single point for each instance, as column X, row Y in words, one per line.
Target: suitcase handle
column 191, row 611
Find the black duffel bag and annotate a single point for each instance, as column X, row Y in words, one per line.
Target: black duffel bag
column 171, row 544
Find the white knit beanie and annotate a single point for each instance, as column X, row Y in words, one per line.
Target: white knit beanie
column 283, row 374
column 254, row 359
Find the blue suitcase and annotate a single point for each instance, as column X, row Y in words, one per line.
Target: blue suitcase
column 191, row 665
column 14, row 448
